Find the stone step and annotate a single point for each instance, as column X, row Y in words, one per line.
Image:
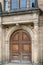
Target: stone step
column 16, row 64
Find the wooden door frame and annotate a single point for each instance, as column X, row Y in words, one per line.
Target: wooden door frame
column 29, row 37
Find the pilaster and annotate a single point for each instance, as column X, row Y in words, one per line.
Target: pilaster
column 28, row 3
column 8, row 5
column 36, row 42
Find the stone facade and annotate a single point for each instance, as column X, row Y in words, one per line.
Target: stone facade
column 40, row 4
column 32, row 23
column 41, row 36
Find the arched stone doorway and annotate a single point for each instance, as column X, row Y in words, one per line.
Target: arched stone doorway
column 20, row 47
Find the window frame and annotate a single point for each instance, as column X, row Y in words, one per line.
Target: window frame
column 23, row 7
column 11, row 6
column 18, row 5
column 5, row 6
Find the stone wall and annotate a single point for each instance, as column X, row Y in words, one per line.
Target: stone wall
column 41, row 37
column 40, row 4
column 2, row 2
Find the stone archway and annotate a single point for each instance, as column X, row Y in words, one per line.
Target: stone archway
column 10, row 32
column 20, row 46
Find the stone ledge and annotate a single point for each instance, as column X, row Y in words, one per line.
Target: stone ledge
column 20, row 11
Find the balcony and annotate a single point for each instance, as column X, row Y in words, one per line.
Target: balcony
column 19, row 16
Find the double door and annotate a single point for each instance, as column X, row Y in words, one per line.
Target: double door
column 20, row 47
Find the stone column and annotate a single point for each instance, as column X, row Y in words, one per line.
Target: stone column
column 28, row 3
column 9, row 5
column 36, row 43
column 7, row 51
column 2, row 2
column 5, row 47
column 0, row 41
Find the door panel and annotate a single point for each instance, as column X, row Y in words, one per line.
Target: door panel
column 26, row 48
column 20, row 46
column 15, row 47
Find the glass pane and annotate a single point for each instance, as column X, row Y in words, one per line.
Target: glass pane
column 14, row 4
column 23, row 3
column 31, row 1
column 6, row 5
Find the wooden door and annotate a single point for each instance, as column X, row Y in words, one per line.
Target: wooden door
column 20, row 46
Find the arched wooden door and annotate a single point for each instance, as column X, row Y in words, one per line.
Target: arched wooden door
column 20, row 47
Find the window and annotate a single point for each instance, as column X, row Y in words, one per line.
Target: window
column 14, row 4
column 32, row 3
column 23, row 3
column 19, row 4
column 6, row 5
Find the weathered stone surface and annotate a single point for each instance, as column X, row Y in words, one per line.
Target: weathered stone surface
column 17, row 19
column 41, row 37
column 36, row 32
column 40, row 4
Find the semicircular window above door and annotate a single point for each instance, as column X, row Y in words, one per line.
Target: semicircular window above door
column 20, row 47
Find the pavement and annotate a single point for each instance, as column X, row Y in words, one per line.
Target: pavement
column 22, row 64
